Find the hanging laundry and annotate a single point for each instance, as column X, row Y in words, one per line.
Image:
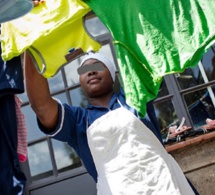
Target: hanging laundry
column 11, row 76
column 49, row 31
column 12, row 179
column 22, row 144
column 155, row 38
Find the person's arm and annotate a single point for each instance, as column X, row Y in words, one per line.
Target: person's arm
column 37, row 88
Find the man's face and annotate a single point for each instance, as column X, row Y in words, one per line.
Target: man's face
column 94, row 82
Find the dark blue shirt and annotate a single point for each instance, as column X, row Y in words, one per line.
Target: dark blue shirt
column 73, row 121
column 11, row 76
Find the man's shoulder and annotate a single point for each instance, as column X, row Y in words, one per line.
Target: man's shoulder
column 74, row 109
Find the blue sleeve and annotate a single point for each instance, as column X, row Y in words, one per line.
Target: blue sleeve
column 66, row 127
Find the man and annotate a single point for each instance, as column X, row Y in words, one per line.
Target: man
column 69, row 124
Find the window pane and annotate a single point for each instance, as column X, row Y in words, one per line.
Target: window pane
column 31, row 123
column 95, row 27
column 163, row 90
column 190, row 78
column 78, row 97
column 65, row 156
column 56, row 82
column 166, row 116
column 62, row 97
column 39, row 160
column 200, row 107
column 208, row 62
column 71, row 72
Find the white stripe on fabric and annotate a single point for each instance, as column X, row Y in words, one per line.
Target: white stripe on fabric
column 62, row 118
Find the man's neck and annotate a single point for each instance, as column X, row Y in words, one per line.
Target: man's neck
column 102, row 101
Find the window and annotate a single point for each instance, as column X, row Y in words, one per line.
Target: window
column 190, row 95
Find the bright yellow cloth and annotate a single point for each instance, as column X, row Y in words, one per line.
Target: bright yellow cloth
column 52, row 28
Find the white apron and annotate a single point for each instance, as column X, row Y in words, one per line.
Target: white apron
column 130, row 160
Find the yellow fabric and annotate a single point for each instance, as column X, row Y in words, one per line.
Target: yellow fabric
column 51, row 29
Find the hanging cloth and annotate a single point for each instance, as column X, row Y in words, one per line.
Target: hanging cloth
column 11, row 76
column 49, row 31
column 11, row 82
column 155, row 38
column 12, row 179
column 22, row 145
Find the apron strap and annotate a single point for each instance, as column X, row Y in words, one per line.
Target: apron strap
column 87, row 123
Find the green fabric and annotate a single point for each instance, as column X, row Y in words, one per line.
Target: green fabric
column 155, row 38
